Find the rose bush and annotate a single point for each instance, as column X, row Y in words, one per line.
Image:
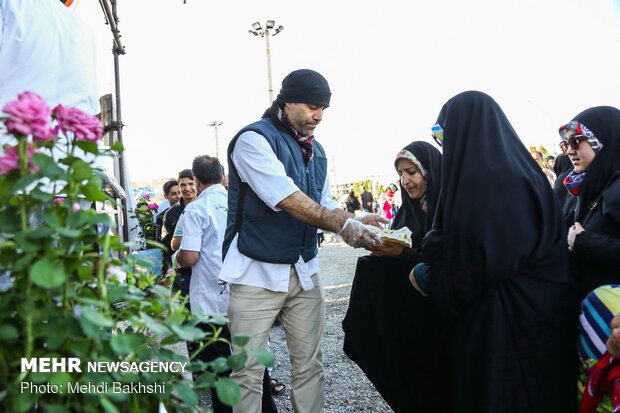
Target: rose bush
column 144, row 213
column 69, row 291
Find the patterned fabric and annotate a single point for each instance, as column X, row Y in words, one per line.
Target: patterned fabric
column 572, row 182
column 304, row 141
column 603, row 381
column 601, row 373
column 583, row 130
column 405, row 154
column 438, row 134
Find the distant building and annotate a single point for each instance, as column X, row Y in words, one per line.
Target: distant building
column 153, row 188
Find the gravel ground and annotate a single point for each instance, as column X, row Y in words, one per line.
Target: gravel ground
column 346, row 387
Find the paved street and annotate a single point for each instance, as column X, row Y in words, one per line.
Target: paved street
column 347, row 389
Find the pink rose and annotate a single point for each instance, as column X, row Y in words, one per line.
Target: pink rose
column 147, row 197
column 10, row 160
column 84, row 126
column 153, row 206
column 29, row 115
column 76, row 206
column 58, row 200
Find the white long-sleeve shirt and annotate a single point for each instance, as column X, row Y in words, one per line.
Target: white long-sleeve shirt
column 259, row 167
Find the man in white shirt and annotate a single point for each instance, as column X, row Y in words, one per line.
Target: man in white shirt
column 278, row 195
column 204, row 223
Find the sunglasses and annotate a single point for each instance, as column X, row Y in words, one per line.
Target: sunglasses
column 437, row 131
column 574, row 142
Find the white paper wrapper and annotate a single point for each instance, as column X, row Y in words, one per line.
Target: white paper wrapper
column 399, row 236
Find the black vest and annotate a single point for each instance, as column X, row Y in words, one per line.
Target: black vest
column 264, row 234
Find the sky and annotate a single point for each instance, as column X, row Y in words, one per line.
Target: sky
column 391, row 65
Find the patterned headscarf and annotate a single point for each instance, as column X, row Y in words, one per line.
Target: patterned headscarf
column 582, row 130
column 572, row 182
column 405, row 154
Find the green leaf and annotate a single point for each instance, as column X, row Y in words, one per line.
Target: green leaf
column 118, row 146
column 48, row 274
column 212, row 319
column 172, row 339
column 206, row 380
column 8, row 245
column 187, row 333
column 241, row 339
column 263, row 356
column 155, row 244
column 24, row 181
column 88, row 146
column 237, row 361
column 39, row 233
column 55, row 408
column 69, row 233
column 8, row 332
column 41, row 196
column 219, row 365
column 77, row 219
column 89, row 328
column 96, row 317
column 93, row 193
column 228, row 391
column 155, row 326
column 107, row 405
column 116, row 293
column 61, row 378
column 85, row 272
column 81, row 170
column 160, row 290
column 48, row 167
column 51, row 220
column 186, row 394
column 126, row 343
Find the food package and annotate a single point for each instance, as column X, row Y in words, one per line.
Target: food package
column 399, row 236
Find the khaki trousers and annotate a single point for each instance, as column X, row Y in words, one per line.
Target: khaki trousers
column 252, row 311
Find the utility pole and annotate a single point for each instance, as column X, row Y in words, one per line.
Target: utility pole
column 215, row 125
column 257, row 30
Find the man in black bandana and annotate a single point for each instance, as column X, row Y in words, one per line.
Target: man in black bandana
column 278, row 196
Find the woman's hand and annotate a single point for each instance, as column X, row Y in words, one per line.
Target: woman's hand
column 573, row 231
column 415, row 284
column 388, row 249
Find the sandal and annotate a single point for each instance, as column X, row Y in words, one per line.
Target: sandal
column 277, row 387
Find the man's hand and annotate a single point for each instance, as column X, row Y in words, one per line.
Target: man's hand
column 357, row 235
column 613, row 342
column 185, row 258
column 301, row 207
column 372, row 219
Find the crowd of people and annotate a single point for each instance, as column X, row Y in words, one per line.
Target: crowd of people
column 507, row 299
column 480, row 314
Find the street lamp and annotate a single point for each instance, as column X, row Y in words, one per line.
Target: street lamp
column 214, row 125
column 257, row 30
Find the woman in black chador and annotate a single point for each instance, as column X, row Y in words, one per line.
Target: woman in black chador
column 353, row 204
column 391, row 331
column 499, row 268
column 592, row 141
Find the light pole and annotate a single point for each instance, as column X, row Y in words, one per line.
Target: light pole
column 214, row 125
column 257, row 30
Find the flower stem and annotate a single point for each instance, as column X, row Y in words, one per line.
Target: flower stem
column 103, row 261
